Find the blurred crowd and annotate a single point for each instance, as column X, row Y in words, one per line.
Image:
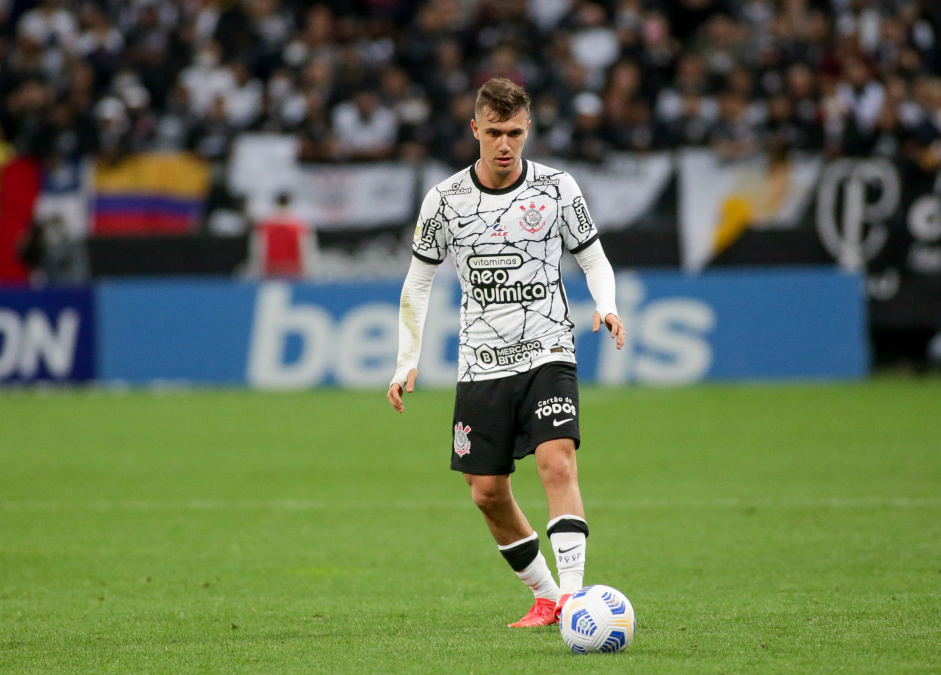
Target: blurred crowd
column 379, row 79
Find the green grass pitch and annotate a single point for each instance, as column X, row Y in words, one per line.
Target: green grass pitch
column 757, row 529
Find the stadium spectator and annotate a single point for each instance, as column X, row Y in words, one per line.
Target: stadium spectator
column 887, row 136
column 550, row 132
column 587, row 141
column 212, row 136
column 174, row 125
column 786, row 130
column 594, row 44
column 734, row 135
column 100, row 43
column 502, row 62
column 452, row 144
column 316, row 136
column 364, row 128
column 624, row 81
column 448, row 77
column 411, row 108
column 53, row 256
column 927, row 134
column 377, row 80
column 690, row 81
column 112, row 124
column 142, row 122
column 53, row 27
column 860, row 95
column 693, row 124
column 65, row 133
column 243, row 99
column 643, row 133
column 723, row 44
column 806, row 113
column 283, row 244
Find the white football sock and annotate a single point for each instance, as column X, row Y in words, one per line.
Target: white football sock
column 539, row 578
column 569, row 548
column 535, row 573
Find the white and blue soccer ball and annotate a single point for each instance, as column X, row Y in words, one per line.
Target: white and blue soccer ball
column 597, row 619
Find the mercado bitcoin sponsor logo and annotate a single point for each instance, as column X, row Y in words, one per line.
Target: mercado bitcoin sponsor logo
column 491, row 357
column 491, row 283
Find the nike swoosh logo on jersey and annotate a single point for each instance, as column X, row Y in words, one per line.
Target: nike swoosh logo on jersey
column 556, row 423
column 568, row 549
column 466, row 222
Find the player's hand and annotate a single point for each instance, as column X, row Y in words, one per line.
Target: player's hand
column 394, row 395
column 612, row 323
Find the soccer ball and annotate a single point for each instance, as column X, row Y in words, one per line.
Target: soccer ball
column 597, row 619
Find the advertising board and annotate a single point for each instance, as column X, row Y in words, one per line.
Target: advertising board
column 47, row 335
column 807, row 323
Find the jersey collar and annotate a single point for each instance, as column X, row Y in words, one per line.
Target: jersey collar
column 502, row 191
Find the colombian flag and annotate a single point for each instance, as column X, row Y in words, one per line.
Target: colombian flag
column 150, row 193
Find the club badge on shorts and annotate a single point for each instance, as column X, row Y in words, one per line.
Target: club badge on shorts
column 461, row 441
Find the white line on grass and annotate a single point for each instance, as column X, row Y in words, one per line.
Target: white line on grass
column 405, row 504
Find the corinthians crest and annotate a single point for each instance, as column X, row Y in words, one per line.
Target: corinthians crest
column 461, row 441
column 532, row 220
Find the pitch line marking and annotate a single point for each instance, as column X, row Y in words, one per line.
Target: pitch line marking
column 406, row 504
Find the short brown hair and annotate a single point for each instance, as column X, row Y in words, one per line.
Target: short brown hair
column 503, row 98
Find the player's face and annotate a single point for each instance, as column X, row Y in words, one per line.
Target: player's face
column 501, row 143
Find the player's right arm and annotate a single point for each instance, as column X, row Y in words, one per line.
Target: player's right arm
column 413, row 307
column 428, row 251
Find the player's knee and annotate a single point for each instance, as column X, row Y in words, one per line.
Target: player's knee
column 488, row 494
column 557, row 468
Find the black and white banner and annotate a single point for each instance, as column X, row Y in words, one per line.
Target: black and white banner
column 870, row 215
column 690, row 209
column 622, row 192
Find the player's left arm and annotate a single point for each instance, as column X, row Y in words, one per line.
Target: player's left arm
column 581, row 238
column 601, row 284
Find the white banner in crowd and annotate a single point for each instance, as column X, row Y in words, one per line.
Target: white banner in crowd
column 328, row 196
column 351, row 196
column 263, row 166
column 719, row 199
column 622, row 189
column 357, row 196
column 618, row 192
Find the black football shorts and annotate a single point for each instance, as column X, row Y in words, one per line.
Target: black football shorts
column 501, row 420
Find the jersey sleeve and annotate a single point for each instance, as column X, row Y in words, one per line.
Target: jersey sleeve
column 429, row 244
column 578, row 229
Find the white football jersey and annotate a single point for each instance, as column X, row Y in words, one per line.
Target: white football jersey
column 507, row 245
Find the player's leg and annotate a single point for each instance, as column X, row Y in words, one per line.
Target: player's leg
column 494, row 497
column 484, row 436
column 558, row 471
column 551, row 420
column 567, row 528
column 518, row 544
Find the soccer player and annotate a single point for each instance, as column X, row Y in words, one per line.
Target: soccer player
column 505, row 222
